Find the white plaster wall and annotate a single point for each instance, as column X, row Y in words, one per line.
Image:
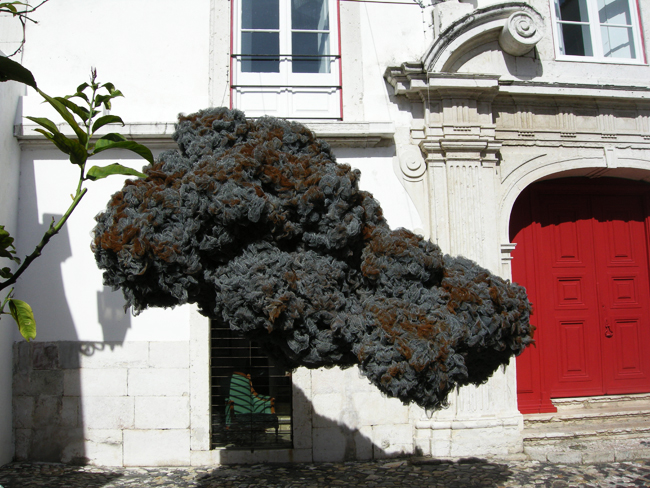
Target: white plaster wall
column 9, row 174
column 220, row 53
column 352, row 420
column 378, row 178
column 156, row 53
column 390, row 35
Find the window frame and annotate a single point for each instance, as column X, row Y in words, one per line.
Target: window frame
column 596, row 38
column 285, row 82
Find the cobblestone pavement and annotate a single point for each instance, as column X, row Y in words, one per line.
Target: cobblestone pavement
column 415, row 474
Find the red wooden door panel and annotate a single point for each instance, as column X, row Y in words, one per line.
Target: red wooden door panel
column 568, row 305
column 582, row 252
column 622, row 267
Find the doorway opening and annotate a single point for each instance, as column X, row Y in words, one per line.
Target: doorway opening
column 582, row 254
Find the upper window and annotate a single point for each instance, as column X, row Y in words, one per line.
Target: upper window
column 285, row 58
column 602, row 30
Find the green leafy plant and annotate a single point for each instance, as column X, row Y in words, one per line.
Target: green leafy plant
column 85, row 119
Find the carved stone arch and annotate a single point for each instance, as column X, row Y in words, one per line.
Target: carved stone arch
column 517, row 26
column 547, row 167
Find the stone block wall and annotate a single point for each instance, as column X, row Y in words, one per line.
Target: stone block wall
column 131, row 404
column 353, row 420
column 104, row 403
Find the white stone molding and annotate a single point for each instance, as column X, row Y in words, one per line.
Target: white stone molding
column 199, row 381
column 159, row 135
column 506, row 259
column 517, row 26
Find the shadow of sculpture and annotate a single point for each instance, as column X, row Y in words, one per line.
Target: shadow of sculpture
column 316, row 438
column 113, row 318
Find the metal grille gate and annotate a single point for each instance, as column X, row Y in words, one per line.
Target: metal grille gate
column 250, row 396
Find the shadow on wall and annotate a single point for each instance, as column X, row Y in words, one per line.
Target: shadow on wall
column 526, row 67
column 47, row 408
column 47, row 400
column 113, row 317
column 328, row 440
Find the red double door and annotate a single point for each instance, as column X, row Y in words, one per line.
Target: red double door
column 582, row 253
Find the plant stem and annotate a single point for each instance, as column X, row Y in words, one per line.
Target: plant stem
column 55, row 228
column 7, row 298
column 49, row 233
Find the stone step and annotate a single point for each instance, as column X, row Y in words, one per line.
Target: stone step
column 635, row 401
column 588, row 430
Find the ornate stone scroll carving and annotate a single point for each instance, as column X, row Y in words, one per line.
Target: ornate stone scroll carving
column 521, row 33
column 516, row 25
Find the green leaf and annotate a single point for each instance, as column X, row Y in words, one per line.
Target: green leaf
column 106, row 119
column 80, row 111
column 103, row 144
column 4, row 253
column 47, row 123
column 58, row 143
column 10, row 6
column 99, row 172
column 78, row 95
column 6, row 273
column 67, row 116
column 5, row 238
column 81, row 88
column 106, row 99
column 76, row 151
column 11, row 70
column 7, row 249
column 113, row 136
column 24, row 317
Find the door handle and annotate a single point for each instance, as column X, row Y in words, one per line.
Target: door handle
column 608, row 329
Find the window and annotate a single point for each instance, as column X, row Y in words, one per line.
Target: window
column 285, row 58
column 603, row 30
column 251, row 397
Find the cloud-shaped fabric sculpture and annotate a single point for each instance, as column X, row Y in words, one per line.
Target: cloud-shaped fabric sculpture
column 255, row 222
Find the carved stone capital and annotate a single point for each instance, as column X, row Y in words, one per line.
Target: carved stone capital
column 439, row 152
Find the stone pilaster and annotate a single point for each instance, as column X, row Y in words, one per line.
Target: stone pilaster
column 459, row 171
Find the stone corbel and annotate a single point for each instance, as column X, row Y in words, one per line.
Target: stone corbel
column 411, row 162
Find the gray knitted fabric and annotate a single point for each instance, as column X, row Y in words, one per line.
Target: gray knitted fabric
column 255, row 222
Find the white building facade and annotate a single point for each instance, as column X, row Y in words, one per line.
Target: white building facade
column 506, row 132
